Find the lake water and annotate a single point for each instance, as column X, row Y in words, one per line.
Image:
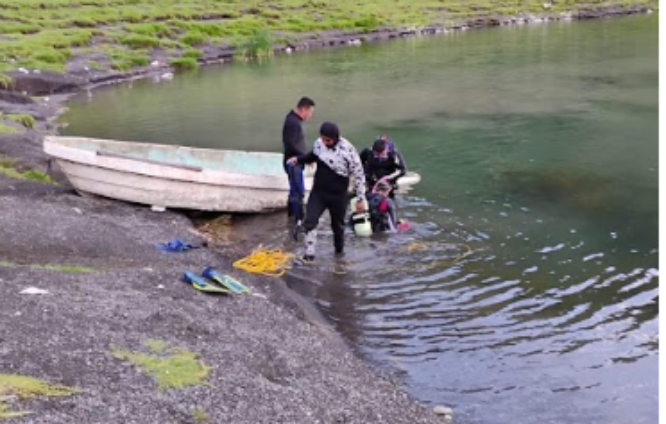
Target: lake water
column 526, row 290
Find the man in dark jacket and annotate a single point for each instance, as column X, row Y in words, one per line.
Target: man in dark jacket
column 293, row 140
column 337, row 160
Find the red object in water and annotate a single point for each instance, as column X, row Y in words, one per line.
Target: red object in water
column 403, row 226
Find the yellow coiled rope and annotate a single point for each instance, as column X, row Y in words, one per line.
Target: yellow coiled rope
column 270, row 262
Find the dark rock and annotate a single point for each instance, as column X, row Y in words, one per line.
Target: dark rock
column 15, row 98
column 485, row 21
column 44, row 82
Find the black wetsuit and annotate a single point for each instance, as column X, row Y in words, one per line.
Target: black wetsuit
column 377, row 168
column 383, row 214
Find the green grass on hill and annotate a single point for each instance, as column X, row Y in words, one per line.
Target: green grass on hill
column 45, row 34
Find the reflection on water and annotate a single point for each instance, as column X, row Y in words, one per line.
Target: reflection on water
column 526, row 289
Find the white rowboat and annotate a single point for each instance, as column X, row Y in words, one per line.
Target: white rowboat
column 167, row 176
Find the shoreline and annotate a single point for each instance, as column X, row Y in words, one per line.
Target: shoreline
column 57, row 87
column 337, row 38
column 26, row 147
column 267, row 357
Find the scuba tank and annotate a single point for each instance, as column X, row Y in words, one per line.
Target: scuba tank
column 361, row 221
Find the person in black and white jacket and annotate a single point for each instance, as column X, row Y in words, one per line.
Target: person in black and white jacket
column 337, row 160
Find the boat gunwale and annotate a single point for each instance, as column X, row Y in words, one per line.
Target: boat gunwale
column 54, row 146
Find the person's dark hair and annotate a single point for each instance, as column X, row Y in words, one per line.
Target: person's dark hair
column 330, row 130
column 383, row 185
column 379, row 146
column 305, row 102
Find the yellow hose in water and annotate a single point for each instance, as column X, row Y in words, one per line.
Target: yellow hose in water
column 270, row 262
column 275, row 262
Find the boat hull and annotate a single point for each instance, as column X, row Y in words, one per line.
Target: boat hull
column 174, row 176
column 177, row 176
column 172, row 194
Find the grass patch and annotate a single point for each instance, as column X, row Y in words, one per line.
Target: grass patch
column 39, row 176
column 6, row 129
column 193, row 38
column 178, row 370
column 70, row 269
column 5, row 81
column 27, row 388
column 20, row 118
column 156, row 346
column 94, row 64
column 209, row 29
column 19, row 28
column 200, row 416
column 9, row 169
column 123, row 59
column 192, row 53
column 184, row 63
column 84, row 22
column 258, row 44
column 139, row 41
column 157, row 29
column 51, row 56
column 125, row 62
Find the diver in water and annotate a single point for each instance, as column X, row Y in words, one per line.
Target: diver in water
column 390, row 145
column 383, row 212
column 380, row 214
column 383, row 162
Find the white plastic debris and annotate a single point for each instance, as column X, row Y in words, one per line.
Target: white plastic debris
column 160, row 286
column 155, row 63
column 442, row 410
column 33, row 290
column 156, row 208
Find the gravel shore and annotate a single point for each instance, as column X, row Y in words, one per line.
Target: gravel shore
column 109, row 287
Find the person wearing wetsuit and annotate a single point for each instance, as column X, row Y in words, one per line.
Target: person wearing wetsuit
column 380, row 163
column 383, row 211
column 390, row 145
column 337, row 160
